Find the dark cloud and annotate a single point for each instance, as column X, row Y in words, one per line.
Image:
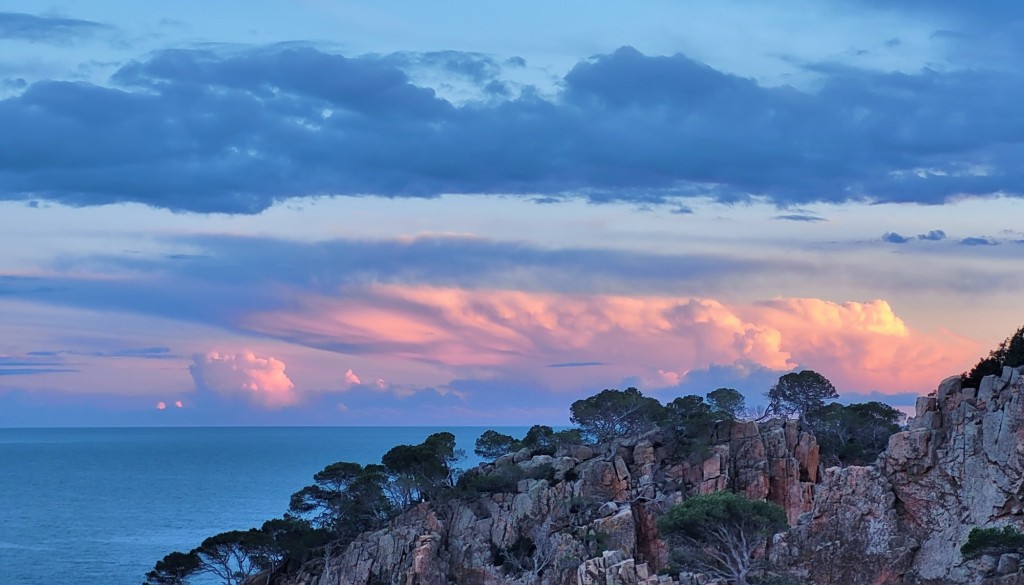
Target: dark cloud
column 577, row 364
column 976, row 241
column 235, row 132
column 234, row 277
column 932, row 236
column 894, row 238
column 32, row 371
column 477, row 67
column 32, row 364
column 47, row 29
column 800, row 217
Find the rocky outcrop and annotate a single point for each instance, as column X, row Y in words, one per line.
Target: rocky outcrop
column 957, row 466
column 592, row 522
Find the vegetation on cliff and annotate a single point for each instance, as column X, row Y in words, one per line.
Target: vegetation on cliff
column 1009, row 353
column 347, row 499
column 722, row 533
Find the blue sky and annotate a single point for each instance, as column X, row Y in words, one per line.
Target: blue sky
column 318, row 212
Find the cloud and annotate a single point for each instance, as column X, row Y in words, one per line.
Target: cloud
column 259, row 380
column 861, row 346
column 351, row 378
column 161, row 405
column 933, row 236
column 255, row 126
column 894, row 238
column 47, row 29
column 799, row 217
column 978, row 241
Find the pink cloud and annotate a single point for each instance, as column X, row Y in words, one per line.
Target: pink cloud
column 179, row 404
column 860, row 346
column 351, row 378
column 161, row 405
column 261, row 380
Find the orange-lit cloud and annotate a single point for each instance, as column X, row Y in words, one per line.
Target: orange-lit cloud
column 860, row 346
column 261, row 380
column 351, row 378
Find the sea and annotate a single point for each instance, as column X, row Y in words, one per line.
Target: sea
column 100, row 506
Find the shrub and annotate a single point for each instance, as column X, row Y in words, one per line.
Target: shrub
column 502, row 480
column 992, row 541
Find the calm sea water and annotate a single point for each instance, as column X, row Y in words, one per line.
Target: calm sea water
column 100, row 506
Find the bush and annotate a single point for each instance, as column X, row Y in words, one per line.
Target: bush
column 502, row 480
column 992, row 541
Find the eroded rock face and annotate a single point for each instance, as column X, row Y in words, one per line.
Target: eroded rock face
column 959, row 465
column 600, row 528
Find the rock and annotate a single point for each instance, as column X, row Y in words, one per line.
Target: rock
column 616, row 500
column 607, row 509
column 1008, row 563
column 958, row 466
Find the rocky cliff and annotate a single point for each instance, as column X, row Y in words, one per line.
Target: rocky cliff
column 957, row 466
column 591, row 521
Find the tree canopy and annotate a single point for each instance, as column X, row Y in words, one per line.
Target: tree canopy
column 721, row 533
column 726, row 401
column 422, row 471
column 854, row 434
column 992, row 541
column 615, row 413
column 800, row 393
column 1009, row 353
column 345, row 498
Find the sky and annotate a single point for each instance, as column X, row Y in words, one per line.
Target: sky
column 326, row 212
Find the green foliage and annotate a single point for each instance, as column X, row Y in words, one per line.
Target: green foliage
column 345, row 499
column 236, row 555
column 540, row 440
column 992, row 541
column 294, row 537
column 502, row 480
column 800, row 393
column 720, row 533
column 698, row 517
column 492, row 444
column 173, row 569
column 693, row 421
column 726, row 401
column 423, row 471
column 615, row 413
column 1009, row 353
column 854, row 434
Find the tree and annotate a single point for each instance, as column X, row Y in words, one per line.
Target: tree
column 173, row 569
column 492, row 444
column 345, row 498
column 235, row 556
column 422, row 471
column 727, row 401
column 720, row 533
column 293, row 537
column 854, row 434
column 615, row 413
column 1009, row 353
column 693, row 421
column 992, row 541
column 800, row 393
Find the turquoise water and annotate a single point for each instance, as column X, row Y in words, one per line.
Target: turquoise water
column 100, row 506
